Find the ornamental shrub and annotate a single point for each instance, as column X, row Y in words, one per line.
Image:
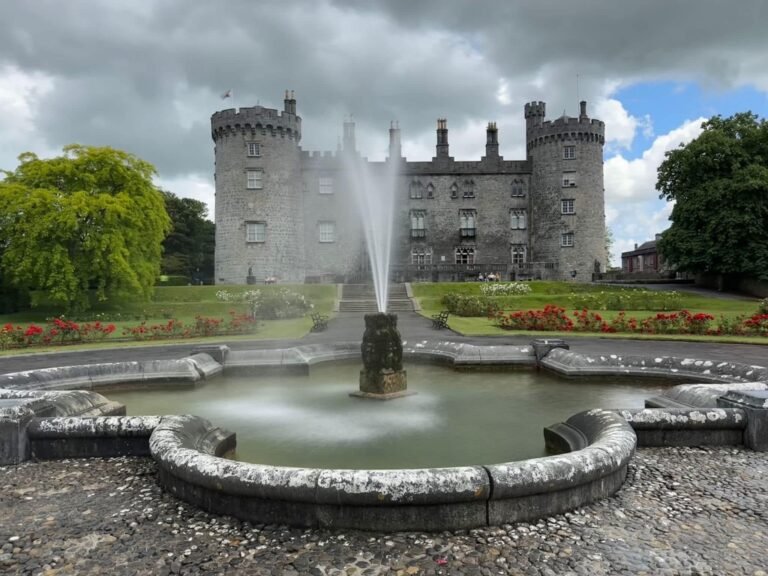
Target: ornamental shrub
column 762, row 306
column 504, row 289
column 283, row 303
column 551, row 318
column 461, row 305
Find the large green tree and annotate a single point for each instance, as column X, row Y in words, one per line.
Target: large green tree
column 87, row 223
column 189, row 248
column 719, row 183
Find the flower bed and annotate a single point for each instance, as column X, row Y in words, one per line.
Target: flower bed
column 61, row 331
column 203, row 326
column 556, row 319
column 54, row 331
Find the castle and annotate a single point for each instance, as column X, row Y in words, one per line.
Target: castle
column 286, row 213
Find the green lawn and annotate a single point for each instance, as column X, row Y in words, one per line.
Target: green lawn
column 558, row 293
column 183, row 303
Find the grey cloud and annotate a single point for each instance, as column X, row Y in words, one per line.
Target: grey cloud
column 119, row 70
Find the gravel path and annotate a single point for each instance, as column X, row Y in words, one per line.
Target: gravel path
column 682, row 511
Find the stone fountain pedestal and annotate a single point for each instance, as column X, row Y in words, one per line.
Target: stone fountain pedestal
column 382, row 376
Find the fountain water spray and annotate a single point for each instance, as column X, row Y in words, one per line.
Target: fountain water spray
column 373, row 185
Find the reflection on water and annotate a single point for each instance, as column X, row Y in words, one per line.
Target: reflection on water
column 457, row 418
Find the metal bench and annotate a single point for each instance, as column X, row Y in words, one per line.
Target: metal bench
column 319, row 322
column 440, row 321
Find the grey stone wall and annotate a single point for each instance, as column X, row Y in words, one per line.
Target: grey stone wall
column 293, row 206
column 278, row 203
column 546, row 142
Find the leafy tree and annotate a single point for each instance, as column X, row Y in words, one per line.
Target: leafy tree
column 189, row 248
column 88, row 220
column 719, row 183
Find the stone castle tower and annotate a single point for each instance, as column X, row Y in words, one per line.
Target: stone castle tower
column 258, row 184
column 287, row 213
column 567, row 195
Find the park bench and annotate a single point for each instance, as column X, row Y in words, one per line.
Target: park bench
column 440, row 321
column 319, row 322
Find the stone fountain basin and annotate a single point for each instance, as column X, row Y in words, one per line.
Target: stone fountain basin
column 597, row 444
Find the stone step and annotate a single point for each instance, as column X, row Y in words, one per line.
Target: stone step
column 358, row 291
column 370, row 306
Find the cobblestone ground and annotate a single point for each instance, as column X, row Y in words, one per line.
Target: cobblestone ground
column 682, row 511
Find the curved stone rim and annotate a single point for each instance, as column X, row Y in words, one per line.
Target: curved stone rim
column 461, row 497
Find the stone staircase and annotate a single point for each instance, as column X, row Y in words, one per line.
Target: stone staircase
column 362, row 298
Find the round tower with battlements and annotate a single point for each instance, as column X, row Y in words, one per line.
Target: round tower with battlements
column 259, row 216
column 567, row 202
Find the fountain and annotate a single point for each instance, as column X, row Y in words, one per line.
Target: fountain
column 382, row 376
column 373, row 186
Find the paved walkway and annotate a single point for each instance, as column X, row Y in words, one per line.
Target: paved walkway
column 348, row 327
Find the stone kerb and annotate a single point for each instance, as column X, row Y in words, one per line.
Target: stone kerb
column 539, row 487
column 77, row 437
column 572, row 364
column 93, row 376
column 301, row 357
column 414, row 499
column 687, row 427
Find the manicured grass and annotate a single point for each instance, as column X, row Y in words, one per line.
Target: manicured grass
column 183, row 303
column 558, row 293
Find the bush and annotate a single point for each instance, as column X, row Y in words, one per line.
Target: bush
column 627, row 299
column 56, row 331
column 762, row 306
column 470, row 305
column 551, row 318
column 504, row 289
column 283, row 303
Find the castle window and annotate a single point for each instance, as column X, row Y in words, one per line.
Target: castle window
column 518, row 188
column 255, row 232
column 465, row 255
column 254, row 149
column 569, row 180
column 417, row 224
column 454, row 190
column 517, row 219
column 519, row 253
column 254, row 179
column 416, row 190
column 325, row 185
column 567, row 206
column 467, row 223
column 326, row 231
column 566, row 239
column 569, row 152
column 469, row 188
column 421, row 256
column 430, row 190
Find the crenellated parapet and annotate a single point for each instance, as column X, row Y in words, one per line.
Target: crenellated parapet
column 574, row 129
column 255, row 120
column 566, row 128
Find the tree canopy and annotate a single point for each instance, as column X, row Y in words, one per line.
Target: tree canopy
column 719, row 183
column 189, row 248
column 88, row 222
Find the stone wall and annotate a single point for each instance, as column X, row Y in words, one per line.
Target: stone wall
column 278, row 203
column 292, row 205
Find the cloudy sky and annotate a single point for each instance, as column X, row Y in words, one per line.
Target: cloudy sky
column 146, row 75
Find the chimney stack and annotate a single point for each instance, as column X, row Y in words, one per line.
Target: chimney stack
column 583, row 110
column 395, row 150
column 442, row 138
column 491, row 141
